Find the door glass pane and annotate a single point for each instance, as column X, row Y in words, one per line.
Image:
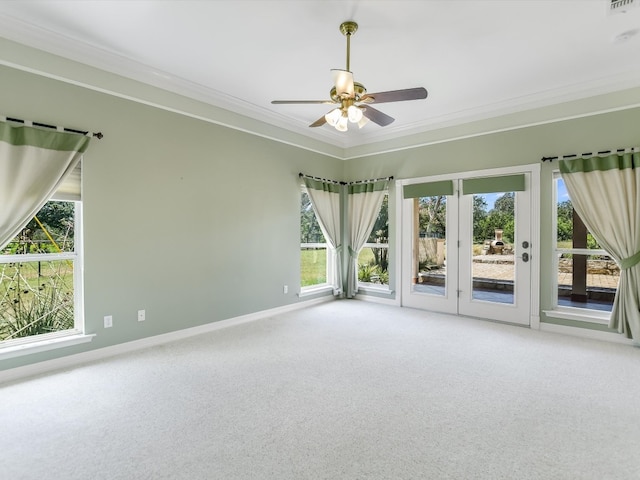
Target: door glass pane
column 429, row 245
column 493, row 267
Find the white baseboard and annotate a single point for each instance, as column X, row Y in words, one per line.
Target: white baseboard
column 585, row 333
column 69, row 361
column 375, row 299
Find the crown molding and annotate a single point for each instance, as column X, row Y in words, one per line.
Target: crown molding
column 51, row 42
column 52, row 55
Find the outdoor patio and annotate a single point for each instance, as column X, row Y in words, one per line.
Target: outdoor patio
column 493, row 274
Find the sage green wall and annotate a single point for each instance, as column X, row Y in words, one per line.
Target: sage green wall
column 517, row 147
column 196, row 223
column 191, row 221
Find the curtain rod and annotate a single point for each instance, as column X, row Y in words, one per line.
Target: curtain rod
column 29, row 123
column 321, row 179
column 370, row 181
column 588, row 154
column 344, row 183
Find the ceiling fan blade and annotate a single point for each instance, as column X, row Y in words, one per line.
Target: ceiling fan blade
column 376, row 116
column 318, row 123
column 303, row 102
column 395, row 95
column 343, row 80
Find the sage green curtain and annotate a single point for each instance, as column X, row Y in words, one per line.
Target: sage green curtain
column 33, row 164
column 325, row 200
column 604, row 191
column 364, row 202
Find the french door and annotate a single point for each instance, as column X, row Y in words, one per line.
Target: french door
column 466, row 246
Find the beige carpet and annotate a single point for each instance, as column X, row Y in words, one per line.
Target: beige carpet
column 342, row 390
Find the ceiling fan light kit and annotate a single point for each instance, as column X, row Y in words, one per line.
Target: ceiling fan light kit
column 363, row 122
column 352, row 100
column 354, row 113
column 333, row 116
column 341, row 124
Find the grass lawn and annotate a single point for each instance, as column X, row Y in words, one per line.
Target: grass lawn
column 366, row 256
column 313, row 267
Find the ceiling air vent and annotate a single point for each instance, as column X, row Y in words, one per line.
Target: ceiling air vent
column 622, row 6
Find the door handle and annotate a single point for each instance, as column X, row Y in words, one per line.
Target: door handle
column 524, row 257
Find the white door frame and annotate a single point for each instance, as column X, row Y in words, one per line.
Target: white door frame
column 402, row 230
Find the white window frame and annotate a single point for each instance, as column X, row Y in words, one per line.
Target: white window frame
column 319, row 287
column 372, row 286
column 560, row 311
column 48, row 341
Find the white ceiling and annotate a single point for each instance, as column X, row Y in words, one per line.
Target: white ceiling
column 478, row 59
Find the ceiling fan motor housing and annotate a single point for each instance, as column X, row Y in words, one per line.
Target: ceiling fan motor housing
column 358, row 90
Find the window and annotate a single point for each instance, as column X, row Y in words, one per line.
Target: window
column 40, row 277
column 373, row 260
column 313, row 247
column 587, row 276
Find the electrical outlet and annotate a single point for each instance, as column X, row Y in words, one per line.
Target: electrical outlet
column 141, row 315
column 285, row 289
column 108, row 321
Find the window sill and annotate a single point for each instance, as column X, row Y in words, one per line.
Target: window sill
column 373, row 288
column 21, row 349
column 579, row 314
column 315, row 290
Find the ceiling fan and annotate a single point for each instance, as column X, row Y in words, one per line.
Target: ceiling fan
column 352, row 100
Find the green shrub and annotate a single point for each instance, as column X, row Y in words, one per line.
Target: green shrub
column 372, row 273
column 32, row 303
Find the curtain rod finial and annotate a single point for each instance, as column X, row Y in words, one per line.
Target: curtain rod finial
column 98, row 135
